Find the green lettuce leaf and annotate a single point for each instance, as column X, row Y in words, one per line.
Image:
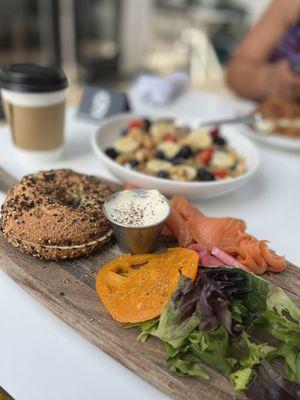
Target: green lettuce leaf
column 171, row 329
column 279, row 301
column 242, row 378
column 280, row 328
column 212, row 348
column 238, row 310
column 256, row 300
column 282, row 322
column 145, row 327
column 248, row 355
column 184, row 364
column 291, row 358
column 255, row 352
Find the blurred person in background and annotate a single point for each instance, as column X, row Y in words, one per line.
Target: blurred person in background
column 267, row 60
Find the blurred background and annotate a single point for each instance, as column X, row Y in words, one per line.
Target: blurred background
column 112, row 41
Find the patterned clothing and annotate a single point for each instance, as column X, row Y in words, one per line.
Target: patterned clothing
column 289, row 47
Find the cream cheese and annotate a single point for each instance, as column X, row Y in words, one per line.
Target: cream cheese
column 137, row 208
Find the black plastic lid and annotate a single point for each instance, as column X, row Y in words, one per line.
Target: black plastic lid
column 32, row 78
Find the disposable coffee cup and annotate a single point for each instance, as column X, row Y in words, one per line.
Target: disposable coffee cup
column 33, row 98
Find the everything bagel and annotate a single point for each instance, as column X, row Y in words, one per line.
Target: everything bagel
column 56, row 214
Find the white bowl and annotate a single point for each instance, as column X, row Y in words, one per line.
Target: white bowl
column 109, row 131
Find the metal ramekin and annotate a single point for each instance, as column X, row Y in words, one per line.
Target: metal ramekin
column 136, row 240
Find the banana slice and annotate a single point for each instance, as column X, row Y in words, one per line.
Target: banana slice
column 190, row 172
column 160, row 129
column 170, row 149
column 222, row 160
column 199, row 140
column 183, row 173
column 126, row 145
column 142, row 155
column 158, row 165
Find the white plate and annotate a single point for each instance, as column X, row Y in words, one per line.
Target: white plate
column 272, row 139
column 109, row 131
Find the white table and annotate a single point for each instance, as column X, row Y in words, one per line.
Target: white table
column 41, row 358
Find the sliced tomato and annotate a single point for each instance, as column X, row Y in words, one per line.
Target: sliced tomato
column 136, row 123
column 221, row 173
column 205, row 156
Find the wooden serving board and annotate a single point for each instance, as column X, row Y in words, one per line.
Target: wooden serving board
column 67, row 289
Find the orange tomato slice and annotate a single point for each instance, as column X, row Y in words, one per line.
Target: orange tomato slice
column 136, row 288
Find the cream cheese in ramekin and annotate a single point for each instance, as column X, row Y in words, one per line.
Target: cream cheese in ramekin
column 137, row 208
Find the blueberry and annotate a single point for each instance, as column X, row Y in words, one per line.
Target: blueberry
column 220, row 141
column 177, row 160
column 184, row 152
column 204, row 175
column 133, row 163
column 147, row 124
column 112, row 153
column 160, row 155
column 162, row 174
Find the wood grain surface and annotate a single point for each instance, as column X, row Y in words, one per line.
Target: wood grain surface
column 68, row 289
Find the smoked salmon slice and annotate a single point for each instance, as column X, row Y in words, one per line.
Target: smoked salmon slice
column 275, row 262
column 248, row 253
column 209, row 231
column 228, row 234
column 179, row 228
column 257, row 256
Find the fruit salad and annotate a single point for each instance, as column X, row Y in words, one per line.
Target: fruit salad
column 168, row 150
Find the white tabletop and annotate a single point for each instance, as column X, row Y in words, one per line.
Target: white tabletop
column 42, row 358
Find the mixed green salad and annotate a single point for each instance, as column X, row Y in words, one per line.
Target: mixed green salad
column 232, row 321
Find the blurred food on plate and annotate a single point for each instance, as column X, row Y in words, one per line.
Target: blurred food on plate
column 279, row 116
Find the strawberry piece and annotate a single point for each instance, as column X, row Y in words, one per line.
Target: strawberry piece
column 169, row 137
column 136, row 123
column 221, row 173
column 205, row 156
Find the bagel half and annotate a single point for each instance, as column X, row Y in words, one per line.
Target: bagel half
column 56, row 215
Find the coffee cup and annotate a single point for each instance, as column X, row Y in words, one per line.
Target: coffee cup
column 33, row 99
